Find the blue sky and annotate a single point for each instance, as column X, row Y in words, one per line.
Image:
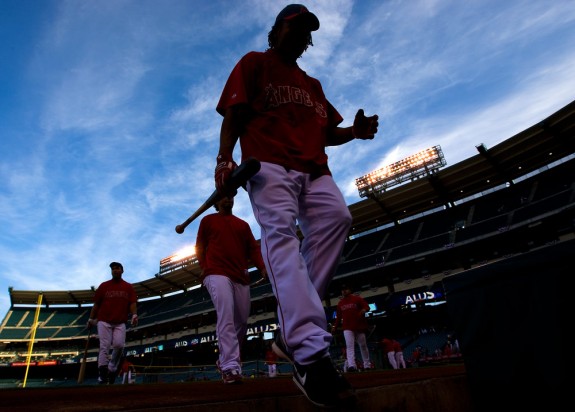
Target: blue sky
column 109, row 131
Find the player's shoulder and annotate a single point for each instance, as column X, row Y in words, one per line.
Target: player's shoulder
column 240, row 220
column 125, row 283
column 255, row 58
column 255, row 54
column 209, row 217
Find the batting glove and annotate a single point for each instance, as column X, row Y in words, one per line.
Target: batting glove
column 364, row 127
column 92, row 322
column 134, row 320
column 224, row 168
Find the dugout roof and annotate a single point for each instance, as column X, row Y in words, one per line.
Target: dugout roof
column 528, row 151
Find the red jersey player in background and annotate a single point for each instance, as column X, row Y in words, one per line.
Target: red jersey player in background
column 281, row 117
column 128, row 372
column 114, row 301
column 225, row 246
column 350, row 312
column 389, row 350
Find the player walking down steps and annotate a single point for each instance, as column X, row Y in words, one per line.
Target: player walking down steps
column 281, row 117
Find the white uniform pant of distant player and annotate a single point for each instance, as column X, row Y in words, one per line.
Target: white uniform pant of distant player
column 128, row 377
column 232, row 303
column 299, row 272
column 399, row 360
column 272, row 370
column 350, row 338
column 112, row 337
column 391, row 359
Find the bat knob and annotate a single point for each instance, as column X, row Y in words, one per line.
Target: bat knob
column 179, row 229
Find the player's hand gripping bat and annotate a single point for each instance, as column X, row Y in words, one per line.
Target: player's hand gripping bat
column 239, row 177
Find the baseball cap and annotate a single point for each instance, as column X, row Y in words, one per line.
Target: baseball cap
column 116, row 264
column 299, row 11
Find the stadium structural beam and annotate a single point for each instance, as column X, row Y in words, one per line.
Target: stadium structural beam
column 169, row 282
column 483, row 151
column 73, row 297
column 384, row 208
column 439, row 188
column 153, row 291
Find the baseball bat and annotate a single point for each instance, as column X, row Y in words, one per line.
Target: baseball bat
column 258, row 282
column 84, row 358
column 239, row 177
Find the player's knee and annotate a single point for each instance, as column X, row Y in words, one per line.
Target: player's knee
column 343, row 218
column 347, row 218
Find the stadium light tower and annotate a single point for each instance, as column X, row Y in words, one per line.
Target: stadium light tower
column 423, row 163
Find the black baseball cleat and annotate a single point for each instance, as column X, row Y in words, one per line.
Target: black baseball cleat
column 323, row 385
column 112, row 376
column 102, row 375
column 232, row 376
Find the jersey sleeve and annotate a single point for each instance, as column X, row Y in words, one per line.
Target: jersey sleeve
column 202, row 242
column 134, row 295
column 238, row 83
column 254, row 249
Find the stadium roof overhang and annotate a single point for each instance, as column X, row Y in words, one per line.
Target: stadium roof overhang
column 534, row 148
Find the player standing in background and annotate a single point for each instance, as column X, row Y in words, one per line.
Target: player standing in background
column 389, row 350
column 350, row 312
column 399, row 359
column 415, row 356
column 115, row 300
column 225, row 246
column 282, row 118
column 128, row 372
column 272, row 362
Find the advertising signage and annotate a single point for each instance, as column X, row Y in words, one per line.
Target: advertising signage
column 262, row 327
column 36, row 363
column 417, row 296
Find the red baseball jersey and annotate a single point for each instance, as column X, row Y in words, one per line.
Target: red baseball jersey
column 349, row 313
column 114, row 298
column 229, row 246
column 271, row 357
column 387, row 345
column 289, row 113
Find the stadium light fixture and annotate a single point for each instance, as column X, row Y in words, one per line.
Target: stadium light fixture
column 423, row 163
column 183, row 257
